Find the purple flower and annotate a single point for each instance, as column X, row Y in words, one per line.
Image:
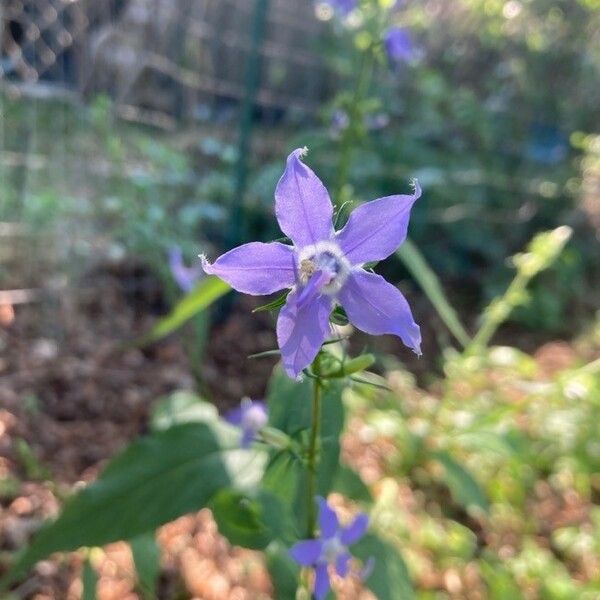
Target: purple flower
column 331, row 548
column 251, row 416
column 344, row 7
column 398, row 45
column 185, row 277
column 324, row 267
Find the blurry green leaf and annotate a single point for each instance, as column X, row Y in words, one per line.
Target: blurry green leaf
column 155, row 480
column 146, row 557
column 283, row 570
column 485, row 441
column 349, row 483
column 90, row 581
column 499, row 581
column 415, row 262
column 282, row 476
column 289, row 402
column 182, row 407
column 200, row 298
column 390, row 579
column 250, row 521
column 463, row 486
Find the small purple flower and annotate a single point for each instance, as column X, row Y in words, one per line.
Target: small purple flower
column 251, row 416
column 398, row 45
column 185, row 277
column 324, row 266
column 330, row 548
column 344, row 7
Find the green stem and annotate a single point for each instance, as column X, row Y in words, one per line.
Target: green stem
column 497, row 313
column 355, row 114
column 313, row 452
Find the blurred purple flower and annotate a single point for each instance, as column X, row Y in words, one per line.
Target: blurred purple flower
column 185, row 277
column 546, row 145
column 330, row 548
column 323, row 266
column 251, row 416
column 344, row 7
column 398, row 45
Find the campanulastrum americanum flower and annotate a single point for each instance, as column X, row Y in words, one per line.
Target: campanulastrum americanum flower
column 324, row 267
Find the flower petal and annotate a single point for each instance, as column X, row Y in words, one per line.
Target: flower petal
column 342, row 565
column 355, row 530
column 377, row 307
column 301, row 330
column 375, row 229
column 302, row 204
column 256, row 268
column 306, row 552
column 322, row 584
column 328, row 521
column 247, row 438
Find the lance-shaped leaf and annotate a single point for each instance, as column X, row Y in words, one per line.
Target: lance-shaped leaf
column 208, row 291
column 155, row 480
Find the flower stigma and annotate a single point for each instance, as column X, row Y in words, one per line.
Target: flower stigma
column 328, row 259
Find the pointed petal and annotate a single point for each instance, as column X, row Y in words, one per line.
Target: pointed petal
column 377, row 307
column 322, row 584
column 306, row 552
column 355, row 530
column 256, row 268
column 328, row 521
column 301, row 330
column 375, row 229
column 342, row 565
column 302, row 204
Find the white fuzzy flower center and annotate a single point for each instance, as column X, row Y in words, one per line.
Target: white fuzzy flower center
column 332, row 548
column 328, row 258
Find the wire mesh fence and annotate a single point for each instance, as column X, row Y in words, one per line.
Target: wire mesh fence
column 162, row 59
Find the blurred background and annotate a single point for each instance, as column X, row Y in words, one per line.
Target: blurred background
column 136, row 134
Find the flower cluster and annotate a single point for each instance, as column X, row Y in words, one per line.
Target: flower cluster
column 324, row 267
column 330, row 548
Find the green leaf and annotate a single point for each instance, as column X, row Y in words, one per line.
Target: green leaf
column 463, row 486
column 349, row 483
column 289, row 402
column 146, row 557
column 155, row 480
column 283, row 570
column 200, row 298
column 390, row 579
column 251, row 521
column 277, row 303
column 89, row 580
column 182, row 407
column 417, row 265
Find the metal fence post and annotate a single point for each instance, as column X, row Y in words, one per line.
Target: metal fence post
column 252, row 83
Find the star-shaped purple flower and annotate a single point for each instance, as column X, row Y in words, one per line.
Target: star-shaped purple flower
column 324, row 267
column 185, row 277
column 330, row 548
column 251, row 416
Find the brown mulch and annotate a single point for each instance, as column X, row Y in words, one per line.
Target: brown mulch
column 74, row 391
